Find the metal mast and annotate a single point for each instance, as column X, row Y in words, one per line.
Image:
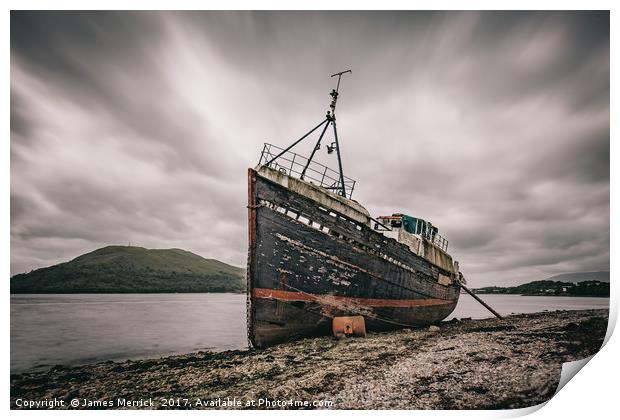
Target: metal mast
column 334, row 95
column 330, row 118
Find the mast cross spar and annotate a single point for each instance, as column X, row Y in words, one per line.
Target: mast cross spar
column 330, row 118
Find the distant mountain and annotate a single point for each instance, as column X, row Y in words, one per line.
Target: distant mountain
column 131, row 269
column 577, row 277
column 592, row 288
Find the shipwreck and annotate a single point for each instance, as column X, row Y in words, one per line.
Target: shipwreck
column 316, row 254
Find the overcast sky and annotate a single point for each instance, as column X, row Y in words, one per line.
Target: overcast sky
column 138, row 127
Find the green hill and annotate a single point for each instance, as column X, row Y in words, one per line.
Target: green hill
column 594, row 288
column 131, row 269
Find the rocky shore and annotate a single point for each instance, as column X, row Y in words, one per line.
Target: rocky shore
column 467, row 364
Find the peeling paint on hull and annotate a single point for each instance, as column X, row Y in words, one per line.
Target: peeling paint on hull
column 308, row 263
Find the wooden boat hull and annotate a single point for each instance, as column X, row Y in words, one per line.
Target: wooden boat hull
column 308, row 263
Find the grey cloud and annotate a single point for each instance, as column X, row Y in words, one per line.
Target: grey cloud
column 139, row 127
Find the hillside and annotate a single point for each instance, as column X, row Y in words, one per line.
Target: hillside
column 130, row 269
column 602, row 276
column 592, row 288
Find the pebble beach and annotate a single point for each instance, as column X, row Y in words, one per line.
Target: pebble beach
column 514, row 362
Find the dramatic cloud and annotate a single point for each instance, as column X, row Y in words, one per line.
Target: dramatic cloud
column 138, row 127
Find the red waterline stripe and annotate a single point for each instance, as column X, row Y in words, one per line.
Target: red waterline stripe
column 307, row 297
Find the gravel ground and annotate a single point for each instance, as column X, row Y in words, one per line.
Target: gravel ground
column 467, row 364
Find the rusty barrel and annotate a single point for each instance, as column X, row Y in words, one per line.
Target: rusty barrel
column 349, row 326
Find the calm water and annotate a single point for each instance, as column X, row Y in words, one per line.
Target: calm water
column 47, row 330
column 517, row 304
column 75, row 329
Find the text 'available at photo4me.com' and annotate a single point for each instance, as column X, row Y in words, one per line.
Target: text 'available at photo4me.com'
column 171, row 402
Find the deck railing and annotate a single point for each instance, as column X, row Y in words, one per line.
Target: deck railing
column 429, row 232
column 297, row 166
column 441, row 242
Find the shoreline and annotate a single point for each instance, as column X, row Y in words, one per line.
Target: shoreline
column 126, row 293
column 559, row 296
column 467, row 364
column 521, row 294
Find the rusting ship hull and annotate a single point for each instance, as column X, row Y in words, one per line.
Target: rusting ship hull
column 310, row 259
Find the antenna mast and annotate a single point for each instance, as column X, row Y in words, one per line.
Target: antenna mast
column 334, row 95
column 330, row 118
